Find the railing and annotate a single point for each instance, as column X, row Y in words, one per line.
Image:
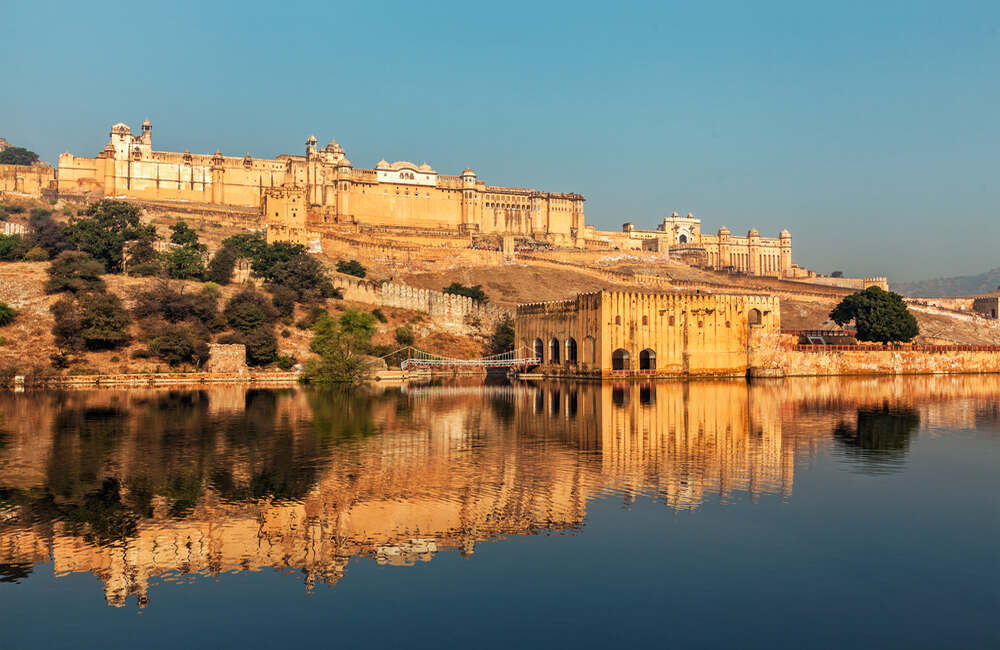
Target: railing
column 823, row 333
column 894, row 348
column 420, row 358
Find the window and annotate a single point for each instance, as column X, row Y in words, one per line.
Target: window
column 645, row 320
column 672, row 321
column 647, row 360
column 618, row 320
column 754, row 317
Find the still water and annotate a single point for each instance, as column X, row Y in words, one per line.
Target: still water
column 821, row 513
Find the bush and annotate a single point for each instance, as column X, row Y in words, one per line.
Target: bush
column 164, row 302
column 880, row 316
column 179, row 343
column 475, row 292
column 66, row 328
column 151, row 269
column 379, row 316
column 358, row 325
column 18, row 156
column 94, row 320
column 283, row 300
column 11, row 248
column 7, row 314
column 185, row 263
column 74, row 271
column 262, row 347
column 404, row 335
column 48, row 234
column 182, row 235
column 340, row 358
column 351, row 268
column 36, row 254
column 249, row 310
column 286, row 362
column 222, row 265
column 285, row 333
column 310, row 319
column 502, row 339
column 105, row 228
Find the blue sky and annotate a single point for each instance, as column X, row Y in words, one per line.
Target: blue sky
column 868, row 129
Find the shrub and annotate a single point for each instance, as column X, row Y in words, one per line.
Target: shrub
column 310, row 319
column 36, row 254
column 340, row 359
column 74, row 271
column 185, row 263
column 404, row 335
column 475, row 292
column 173, row 306
column 11, row 248
column 502, row 339
column 262, row 347
column 7, row 314
column 353, row 267
column 48, row 234
column 283, row 300
column 249, row 310
column 150, row 269
column 66, row 327
column 179, row 343
column 286, row 362
column 18, row 156
column 105, row 228
column 379, row 316
column 358, row 325
column 182, row 235
column 14, row 208
column 104, row 323
column 60, row 360
column 285, row 333
column 222, row 265
column 879, row 316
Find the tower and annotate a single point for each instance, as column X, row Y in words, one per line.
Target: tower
column 753, row 263
column 468, row 198
column 218, row 177
column 725, row 241
column 785, row 239
column 147, row 132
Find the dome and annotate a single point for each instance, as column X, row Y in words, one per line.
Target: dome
column 382, row 164
column 724, row 231
column 146, row 122
column 344, row 162
column 753, row 233
column 674, row 214
column 121, row 127
column 425, row 168
column 311, row 140
column 785, row 234
column 468, row 172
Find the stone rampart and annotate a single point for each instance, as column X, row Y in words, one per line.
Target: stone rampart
column 855, row 284
column 795, row 361
column 449, row 310
column 227, row 359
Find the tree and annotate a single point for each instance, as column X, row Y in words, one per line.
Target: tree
column 104, row 230
column 247, row 245
column 185, row 263
column 183, row 235
column 339, row 359
column 837, row 274
column 358, row 325
column 353, row 267
column 74, row 271
column 283, row 300
column 222, row 265
column 502, row 339
column 48, row 234
column 104, row 323
column 179, row 343
column 475, row 292
column 66, row 327
column 404, row 335
column 164, row 302
column 18, row 156
column 249, row 310
column 7, row 314
column 11, row 248
column 261, row 344
column 878, row 315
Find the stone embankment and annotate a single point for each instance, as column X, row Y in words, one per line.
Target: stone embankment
column 157, row 379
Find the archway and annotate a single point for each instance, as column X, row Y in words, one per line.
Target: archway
column 620, row 360
column 683, row 239
column 754, row 317
column 571, row 350
column 647, row 360
column 554, row 351
column 589, row 350
column 539, row 350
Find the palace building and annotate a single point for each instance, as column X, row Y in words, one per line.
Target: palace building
column 611, row 333
column 399, row 194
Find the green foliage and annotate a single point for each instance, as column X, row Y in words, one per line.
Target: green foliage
column 837, row 274
column 14, row 208
column 358, row 325
column 11, row 248
column 262, row 346
column 298, row 271
column 152, row 268
column 36, row 254
column 185, row 263
column 307, row 321
column 502, row 339
column 283, row 300
column 249, row 310
column 94, row 320
column 475, row 292
column 404, row 335
column 379, row 316
column 182, row 235
column 18, row 156
column 286, row 362
column 340, row 359
column 878, row 315
column 104, row 230
column 246, row 245
column 7, row 314
column 164, row 302
column 47, row 233
column 222, row 265
column 74, row 271
column 179, row 343
column 353, row 267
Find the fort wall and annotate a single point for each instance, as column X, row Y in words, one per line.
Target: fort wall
column 28, row 180
column 948, row 360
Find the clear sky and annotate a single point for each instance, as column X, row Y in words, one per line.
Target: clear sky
column 871, row 130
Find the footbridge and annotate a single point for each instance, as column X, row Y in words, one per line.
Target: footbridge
column 411, row 358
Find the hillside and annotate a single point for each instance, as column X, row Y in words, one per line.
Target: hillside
column 961, row 285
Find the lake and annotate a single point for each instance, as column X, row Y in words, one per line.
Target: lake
column 820, row 513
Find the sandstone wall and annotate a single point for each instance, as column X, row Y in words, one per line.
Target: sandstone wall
column 28, row 180
column 886, row 362
column 227, row 359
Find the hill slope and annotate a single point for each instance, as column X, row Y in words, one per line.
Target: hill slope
column 962, row 285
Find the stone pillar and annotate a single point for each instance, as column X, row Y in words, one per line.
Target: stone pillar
column 218, row 178
column 753, row 238
column 786, row 253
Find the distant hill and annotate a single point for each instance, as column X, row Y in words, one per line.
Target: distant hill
column 962, row 285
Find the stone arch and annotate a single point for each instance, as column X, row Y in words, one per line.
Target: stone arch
column 554, row 352
column 539, row 350
column 589, row 350
column 754, row 317
column 621, row 360
column 571, row 356
column 647, row 359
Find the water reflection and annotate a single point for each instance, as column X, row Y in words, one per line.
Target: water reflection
column 146, row 485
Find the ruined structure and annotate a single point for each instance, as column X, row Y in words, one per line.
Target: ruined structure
column 609, row 333
column 988, row 306
column 399, row 194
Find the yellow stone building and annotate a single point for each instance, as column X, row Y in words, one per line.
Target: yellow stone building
column 611, row 333
column 28, row 180
column 399, row 194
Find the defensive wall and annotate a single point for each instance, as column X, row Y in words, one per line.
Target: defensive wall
column 449, row 310
column 28, row 180
column 818, row 360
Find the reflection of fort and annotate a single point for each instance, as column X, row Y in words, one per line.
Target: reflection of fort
column 142, row 485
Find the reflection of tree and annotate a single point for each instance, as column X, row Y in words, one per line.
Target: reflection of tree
column 880, row 436
column 14, row 572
